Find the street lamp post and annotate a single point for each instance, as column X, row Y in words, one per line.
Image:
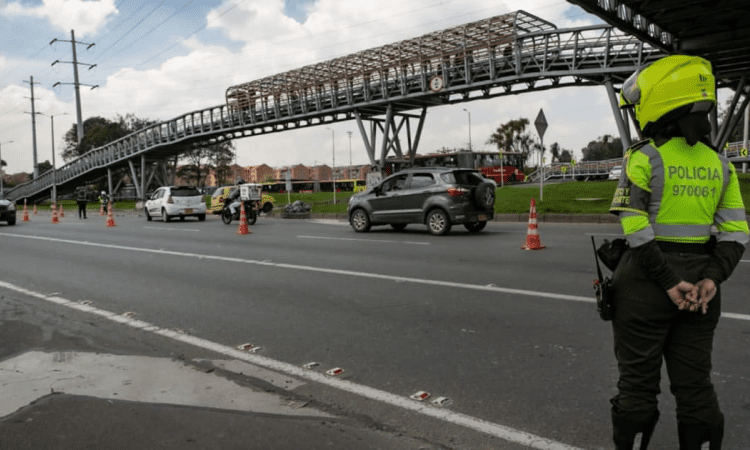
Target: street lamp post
column 469, row 113
column 350, row 154
column 333, row 171
column 1, row 166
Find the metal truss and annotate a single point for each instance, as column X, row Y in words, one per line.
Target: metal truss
column 504, row 55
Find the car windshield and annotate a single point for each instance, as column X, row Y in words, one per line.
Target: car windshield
column 467, row 177
column 185, row 192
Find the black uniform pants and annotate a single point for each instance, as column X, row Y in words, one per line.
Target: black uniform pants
column 648, row 328
column 81, row 208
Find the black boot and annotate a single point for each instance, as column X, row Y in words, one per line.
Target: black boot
column 628, row 435
column 696, row 436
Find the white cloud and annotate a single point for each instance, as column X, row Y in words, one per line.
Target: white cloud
column 85, row 17
column 272, row 42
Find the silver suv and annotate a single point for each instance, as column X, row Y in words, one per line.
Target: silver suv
column 438, row 197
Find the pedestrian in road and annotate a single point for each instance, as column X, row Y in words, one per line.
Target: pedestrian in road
column 82, row 199
column 103, row 201
column 674, row 186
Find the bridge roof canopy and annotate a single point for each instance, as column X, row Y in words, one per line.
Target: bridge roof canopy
column 717, row 30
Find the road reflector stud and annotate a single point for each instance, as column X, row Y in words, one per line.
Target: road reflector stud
column 83, row 302
column 311, row 365
column 420, row 396
column 442, row 401
column 129, row 314
column 248, row 348
column 335, row 371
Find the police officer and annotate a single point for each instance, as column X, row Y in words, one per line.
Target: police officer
column 674, row 186
column 81, row 199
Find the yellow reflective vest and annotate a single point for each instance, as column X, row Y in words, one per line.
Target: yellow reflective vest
column 675, row 192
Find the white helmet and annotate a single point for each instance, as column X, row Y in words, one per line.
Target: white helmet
column 104, row 193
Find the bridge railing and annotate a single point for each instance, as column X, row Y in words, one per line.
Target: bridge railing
column 586, row 53
column 596, row 169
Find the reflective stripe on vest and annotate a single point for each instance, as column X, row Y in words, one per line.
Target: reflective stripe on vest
column 687, row 184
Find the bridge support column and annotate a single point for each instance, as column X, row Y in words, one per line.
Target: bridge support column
column 109, row 181
column 391, row 127
column 622, row 124
column 143, row 180
column 134, row 175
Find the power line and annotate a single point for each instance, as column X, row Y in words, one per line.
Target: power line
column 194, row 32
column 124, row 35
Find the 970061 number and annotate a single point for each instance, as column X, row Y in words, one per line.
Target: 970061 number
column 693, row 191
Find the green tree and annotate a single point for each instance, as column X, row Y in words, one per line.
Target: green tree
column 268, row 178
column 513, row 136
column 606, row 147
column 44, row 167
column 98, row 131
column 221, row 160
column 200, row 160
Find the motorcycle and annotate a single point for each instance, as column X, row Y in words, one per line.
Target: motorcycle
column 251, row 212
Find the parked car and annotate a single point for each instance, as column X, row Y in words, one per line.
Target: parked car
column 438, row 197
column 176, row 201
column 7, row 211
column 615, row 172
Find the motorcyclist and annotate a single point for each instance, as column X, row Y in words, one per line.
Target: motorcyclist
column 233, row 200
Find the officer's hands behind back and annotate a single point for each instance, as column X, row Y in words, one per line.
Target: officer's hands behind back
column 693, row 296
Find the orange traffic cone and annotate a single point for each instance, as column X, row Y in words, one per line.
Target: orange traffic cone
column 101, row 209
column 62, row 213
column 532, row 237
column 35, row 209
column 110, row 218
column 54, row 214
column 243, row 229
column 25, row 212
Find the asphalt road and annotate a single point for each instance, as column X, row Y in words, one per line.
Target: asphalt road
column 509, row 336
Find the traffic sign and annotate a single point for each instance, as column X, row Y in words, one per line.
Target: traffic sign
column 743, row 152
column 572, row 162
column 541, row 123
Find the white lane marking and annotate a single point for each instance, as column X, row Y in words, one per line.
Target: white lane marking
column 330, row 221
column 500, row 431
column 476, row 287
column 364, row 240
column 172, row 229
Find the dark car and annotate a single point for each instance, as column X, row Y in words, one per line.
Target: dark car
column 7, row 211
column 438, row 197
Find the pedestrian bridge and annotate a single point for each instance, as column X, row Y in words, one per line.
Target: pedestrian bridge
column 387, row 90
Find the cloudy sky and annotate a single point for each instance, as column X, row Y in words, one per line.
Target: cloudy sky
column 160, row 59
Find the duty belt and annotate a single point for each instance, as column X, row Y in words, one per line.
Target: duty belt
column 681, row 247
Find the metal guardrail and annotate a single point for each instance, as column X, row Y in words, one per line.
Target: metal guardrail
column 540, row 60
column 586, row 169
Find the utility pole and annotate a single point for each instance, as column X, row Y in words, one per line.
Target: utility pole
column 33, row 126
column 76, row 84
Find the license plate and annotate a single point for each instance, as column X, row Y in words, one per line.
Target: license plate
column 188, row 211
column 482, row 218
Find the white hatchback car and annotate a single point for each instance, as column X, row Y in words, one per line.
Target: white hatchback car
column 176, row 201
column 615, row 172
